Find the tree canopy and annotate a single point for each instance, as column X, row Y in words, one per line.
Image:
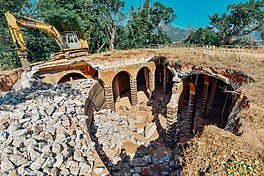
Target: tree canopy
column 239, row 20
column 102, row 23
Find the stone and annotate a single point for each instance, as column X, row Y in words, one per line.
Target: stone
column 35, row 115
column 6, row 164
column 77, row 156
column 58, row 99
column 54, row 171
column 74, row 170
column 78, row 103
column 3, row 136
column 161, row 155
column 59, row 160
column 24, row 120
column 18, row 133
column 150, row 130
column 37, row 164
column 21, row 169
column 33, row 153
column 136, row 174
column 99, row 170
column 136, row 162
column 17, row 115
column 130, row 148
column 17, row 160
column 140, row 138
column 137, row 169
column 56, row 148
column 4, row 120
column 50, row 110
column 85, row 168
column 65, row 171
column 46, row 150
column 48, row 163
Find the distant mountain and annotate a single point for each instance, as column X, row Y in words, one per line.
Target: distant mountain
column 175, row 34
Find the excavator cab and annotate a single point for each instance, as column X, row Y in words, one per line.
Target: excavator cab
column 69, row 40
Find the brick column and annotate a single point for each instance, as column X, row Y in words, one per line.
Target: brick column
column 188, row 127
column 133, row 91
column 204, row 96
column 172, row 111
column 152, row 85
column 210, row 104
column 164, row 79
column 147, row 78
column 109, row 97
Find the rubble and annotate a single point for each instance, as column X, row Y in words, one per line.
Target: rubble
column 129, row 145
column 38, row 134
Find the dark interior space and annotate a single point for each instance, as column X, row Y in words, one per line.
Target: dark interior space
column 121, row 86
column 71, row 76
column 211, row 105
column 143, row 80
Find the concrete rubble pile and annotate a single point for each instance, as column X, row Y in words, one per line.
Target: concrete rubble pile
column 129, row 149
column 42, row 130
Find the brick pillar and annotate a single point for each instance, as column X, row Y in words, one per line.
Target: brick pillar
column 164, row 79
column 133, row 91
column 147, row 78
column 203, row 102
column 204, row 96
column 116, row 88
column 210, row 104
column 152, row 85
column 172, row 111
column 109, row 98
column 190, row 112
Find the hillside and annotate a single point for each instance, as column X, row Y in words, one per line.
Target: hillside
column 175, row 33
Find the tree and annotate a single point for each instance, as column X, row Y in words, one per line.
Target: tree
column 161, row 17
column 240, row 20
column 110, row 17
column 205, row 36
column 145, row 26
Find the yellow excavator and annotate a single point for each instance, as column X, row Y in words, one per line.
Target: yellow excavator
column 68, row 42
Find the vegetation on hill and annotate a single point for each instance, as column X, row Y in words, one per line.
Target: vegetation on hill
column 175, row 34
column 239, row 20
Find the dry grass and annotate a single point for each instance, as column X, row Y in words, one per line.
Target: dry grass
column 211, row 152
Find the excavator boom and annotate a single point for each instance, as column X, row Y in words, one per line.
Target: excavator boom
column 68, row 42
column 17, row 38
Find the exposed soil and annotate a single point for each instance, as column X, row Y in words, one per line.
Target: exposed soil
column 8, row 79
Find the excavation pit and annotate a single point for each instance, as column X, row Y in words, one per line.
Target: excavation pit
column 156, row 108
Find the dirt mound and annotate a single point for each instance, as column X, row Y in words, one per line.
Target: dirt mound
column 8, row 79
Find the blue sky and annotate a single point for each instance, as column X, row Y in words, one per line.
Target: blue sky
column 191, row 12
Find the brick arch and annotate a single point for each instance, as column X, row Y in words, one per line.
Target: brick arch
column 71, row 75
column 210, row 74
column 121, row 85
column 163, row 77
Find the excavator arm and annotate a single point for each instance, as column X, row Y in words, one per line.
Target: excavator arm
column 17, row 38
column 68, row 42
column 35, row 24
